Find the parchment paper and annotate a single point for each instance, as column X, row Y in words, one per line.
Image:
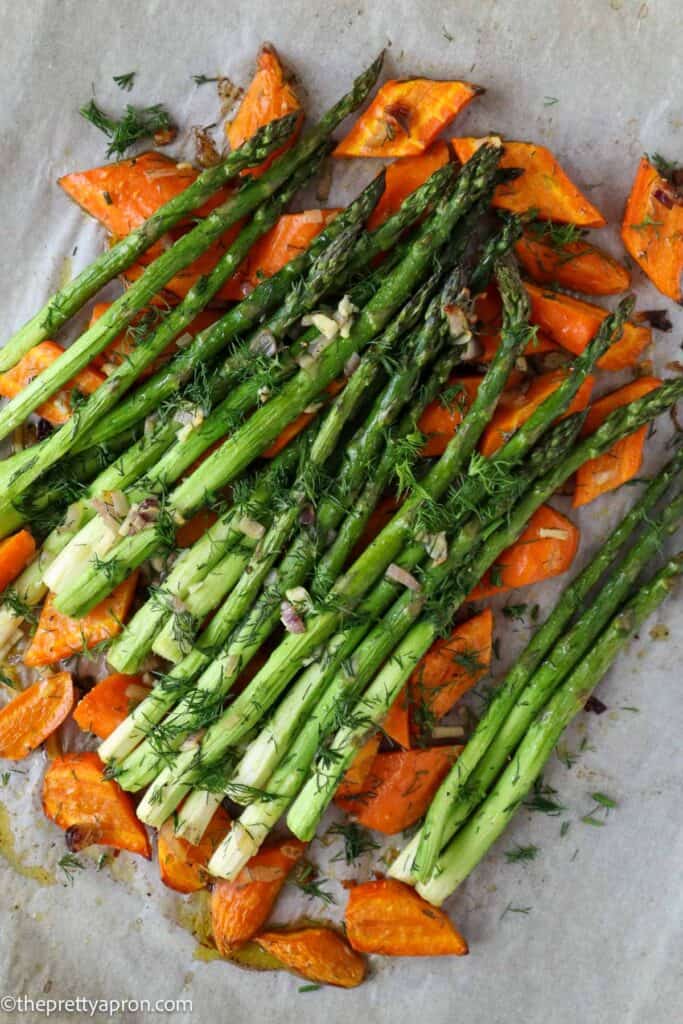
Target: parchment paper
column 599, row 941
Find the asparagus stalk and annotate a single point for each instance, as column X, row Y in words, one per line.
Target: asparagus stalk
column 270, row 294
column 447, row 596
column 105, row 397
column 183, row 252
column 265, row 424
column 106, row 267
column 491, row 818
column 461, row 791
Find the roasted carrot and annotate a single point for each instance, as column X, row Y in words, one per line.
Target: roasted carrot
column 57, row 409
column 546, row 548
column 195, row 528
column 405, row 117
column 388, row 917
column 359, row 769
column 399, row 788
column 124, row 194
column 239, row 909
column 318, row 954
column 490, row 343
column 441, row 418
column 269, row 96
column 15, row 554
column 108, row 703
column 453, row 665
column 396, row 724
column 34, row 714
column 182, row 865
column 572, row 323
column 624, row 459
column 543, row 187
column 652, row 228
column 404, row 176
column 577, row 265
column 516, row 405
column 298, row 424
column 58, row 636
column 92, row 809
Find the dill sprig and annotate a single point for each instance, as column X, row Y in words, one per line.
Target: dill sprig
column 70, row 864
column 126, row 81
column 357, row 841
column 136, row 123
column 521, row 853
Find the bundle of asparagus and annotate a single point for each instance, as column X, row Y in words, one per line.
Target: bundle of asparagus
column 285, row 423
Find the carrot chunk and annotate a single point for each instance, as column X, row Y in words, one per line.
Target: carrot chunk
column 194, row 528
column 58, row 636
column 57, row 409
column 34, row 714
column 490, row 343
column 404, row 176
column 453, row 665
column 318, row 954
column 545, row 549
column 572, row 323
column 122, row 195
column 182, row 865
column 405, row 117
column 15, row 554
column 518, row 404
column 268, row 97
column 239, row 909
column 576, row 265
column 388, row 917
column 359, row 769
column 543, row 187
column 110, row 701
column 441, row 418
column 624, row 459
column 652, row 229
column 91, row 808
column 396, row 724
column 399, row 788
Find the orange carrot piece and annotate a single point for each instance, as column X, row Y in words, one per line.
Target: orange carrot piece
column 122, row 195
column 652, row 229
column 268, row 97
column 439, row 421
column 399, row 788
column 34, row 714
column 405, row 117
column 388, row 917
column 92, row 809
column 545, row 549
column 195, row 528
column 182, row 865
column 15, row 554
column 453, row 665
column 58, row 636
column 624, row 459
column 239, row 909
column 318, row 954
column 517, row 405
column 404, row 176
column 57, row 409
column 396, row 724
column 578, row 265
column 543, row 187
column 490, row 342
column 572, row 323
column 359, row 769
column 298, row 424
column 110, row 701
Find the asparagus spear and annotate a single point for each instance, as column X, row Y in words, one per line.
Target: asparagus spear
column 105, row 397
column 491, row 818
column 462, row 790
column 105, row 268
column 183, row 252
column 265, row 424
column 450, row 592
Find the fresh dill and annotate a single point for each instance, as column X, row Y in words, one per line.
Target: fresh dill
column 543, row 800
column 511, row 909
column 306, row 880
column 70, row 864
column 357, row 841
column 521, row 853
column 136, row 123
column 205, row 79
column 603, row 805
column 126, row 81
column 515, row 612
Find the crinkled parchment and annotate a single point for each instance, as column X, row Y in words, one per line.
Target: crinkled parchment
column 599, row 82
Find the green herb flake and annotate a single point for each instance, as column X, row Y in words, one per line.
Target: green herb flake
column 125, row 82
column 521, row 853
column 69, row 864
